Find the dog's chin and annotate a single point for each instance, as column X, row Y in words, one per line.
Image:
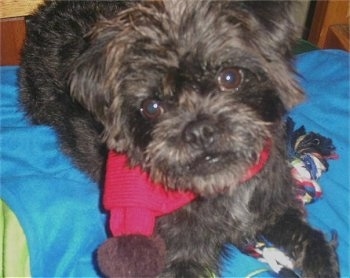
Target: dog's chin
column 207, row 175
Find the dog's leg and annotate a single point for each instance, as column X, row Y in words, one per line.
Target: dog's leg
column 193, row 249
column 192, row 261
column 313, row 255
column 186, row 269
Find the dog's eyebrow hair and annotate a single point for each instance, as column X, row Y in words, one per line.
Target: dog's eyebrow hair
column 237, row 56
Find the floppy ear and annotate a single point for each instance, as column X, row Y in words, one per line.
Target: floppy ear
column 94, row 81
column 88, row 76
column 278, row 28
column 274, row 34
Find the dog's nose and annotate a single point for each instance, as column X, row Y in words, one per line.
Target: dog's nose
column 200, row 133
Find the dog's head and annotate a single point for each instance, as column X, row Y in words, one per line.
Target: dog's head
column 190, row 90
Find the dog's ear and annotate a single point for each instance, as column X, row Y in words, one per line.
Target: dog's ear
column 88, row 77
column 94, row 81
column 273, row 31
column 278, row 28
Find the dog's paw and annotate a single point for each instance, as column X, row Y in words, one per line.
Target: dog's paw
column 320, row 259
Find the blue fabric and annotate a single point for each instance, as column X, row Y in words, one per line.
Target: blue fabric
column 58, row 206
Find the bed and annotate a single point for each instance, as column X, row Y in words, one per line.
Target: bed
column 51, row 220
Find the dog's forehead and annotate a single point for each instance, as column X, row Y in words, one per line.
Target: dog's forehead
column 199, row 18
column 180, row 9
column 199, row 27
column 175, row 8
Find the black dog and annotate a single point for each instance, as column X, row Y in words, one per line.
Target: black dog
column 192, row 91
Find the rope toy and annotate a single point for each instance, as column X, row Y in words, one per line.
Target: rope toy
column 308, row 155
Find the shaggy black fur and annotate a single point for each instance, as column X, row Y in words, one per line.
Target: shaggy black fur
column 191, row 91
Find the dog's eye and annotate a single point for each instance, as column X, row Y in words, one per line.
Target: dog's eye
column 151, row 109
column 229, row 79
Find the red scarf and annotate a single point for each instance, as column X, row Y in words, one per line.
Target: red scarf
column 135, row 202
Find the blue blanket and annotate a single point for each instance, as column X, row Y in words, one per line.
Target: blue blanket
column 56, row 207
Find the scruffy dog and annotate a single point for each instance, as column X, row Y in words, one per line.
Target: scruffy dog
column 193, row 92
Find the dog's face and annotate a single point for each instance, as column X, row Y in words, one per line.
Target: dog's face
column 190, row 90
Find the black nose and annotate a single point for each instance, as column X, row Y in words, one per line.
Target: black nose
column 200, row 133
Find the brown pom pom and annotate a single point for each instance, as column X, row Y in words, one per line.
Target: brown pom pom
column 131, row 256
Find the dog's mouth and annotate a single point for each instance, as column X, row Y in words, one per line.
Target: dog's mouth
column 208, row 163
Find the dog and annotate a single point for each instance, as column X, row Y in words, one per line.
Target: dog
column 193, row 92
